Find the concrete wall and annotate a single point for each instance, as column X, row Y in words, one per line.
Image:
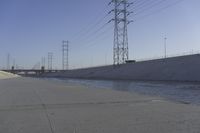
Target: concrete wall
column 183, row 68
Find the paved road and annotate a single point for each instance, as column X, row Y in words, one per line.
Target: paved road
column 37, row 106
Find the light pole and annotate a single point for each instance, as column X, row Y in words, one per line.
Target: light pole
column 165, row 47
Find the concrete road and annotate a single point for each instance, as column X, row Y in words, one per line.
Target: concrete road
column 38, row 106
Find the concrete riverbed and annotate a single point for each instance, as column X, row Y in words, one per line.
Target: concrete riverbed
column 30, row 105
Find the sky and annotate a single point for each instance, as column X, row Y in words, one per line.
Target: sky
column 29, row 29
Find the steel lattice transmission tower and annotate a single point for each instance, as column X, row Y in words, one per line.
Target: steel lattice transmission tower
column 50, row 61
column 43, row 62
column 8, row 62
column 65, row 55
column 120, row 48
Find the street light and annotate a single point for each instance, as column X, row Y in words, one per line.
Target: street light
column 165, row 47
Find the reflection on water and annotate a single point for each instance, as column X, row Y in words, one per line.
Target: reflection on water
column 121, row 86
column 183, row 92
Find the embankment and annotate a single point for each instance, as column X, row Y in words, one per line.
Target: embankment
column 5, row 75
column 183, row 68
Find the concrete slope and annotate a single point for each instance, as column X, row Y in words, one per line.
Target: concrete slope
column 183, row 68
column 5, row 75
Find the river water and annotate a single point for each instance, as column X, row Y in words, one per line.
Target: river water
column 177, row 91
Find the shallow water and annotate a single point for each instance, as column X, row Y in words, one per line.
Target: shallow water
column 176, row 91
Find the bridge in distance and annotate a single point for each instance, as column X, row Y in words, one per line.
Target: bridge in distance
column 31, row 71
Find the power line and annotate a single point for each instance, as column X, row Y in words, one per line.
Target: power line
column 142, row 7
column 99, row 36
column 158, row 11
column 86, row 32
column 92, row 35
column 145, row 6
column 150, row 5
column 142, row 3
column 90, row 26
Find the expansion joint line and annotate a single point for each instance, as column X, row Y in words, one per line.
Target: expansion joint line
column 51, row 125
column 49, row 119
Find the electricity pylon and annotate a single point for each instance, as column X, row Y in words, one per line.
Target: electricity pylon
column 120, row 48
column 50, row 61
column 65, row 54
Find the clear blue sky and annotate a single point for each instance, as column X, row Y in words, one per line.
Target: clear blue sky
column 29, row 29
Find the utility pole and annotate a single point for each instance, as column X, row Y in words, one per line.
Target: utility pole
column 120, row 48
column 43, row 62
column 50, row 60
column 13, row 66
column 105, row 59
column 65, row 55
column 8, row 61
column 165, row 47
